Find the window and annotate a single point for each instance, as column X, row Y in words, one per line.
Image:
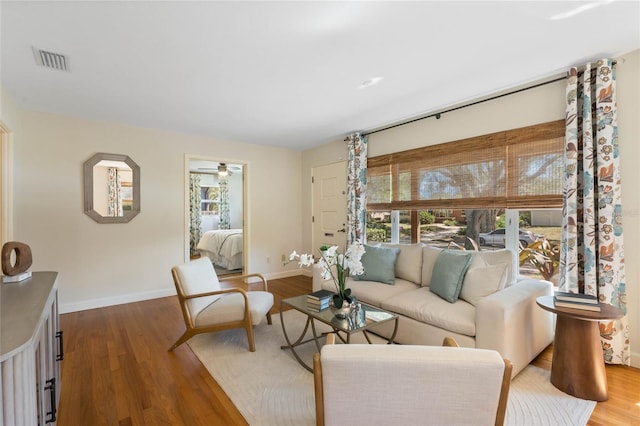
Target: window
column 451, row 193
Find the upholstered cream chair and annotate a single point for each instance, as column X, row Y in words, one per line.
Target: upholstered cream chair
column 207, row 307
column 410, row 385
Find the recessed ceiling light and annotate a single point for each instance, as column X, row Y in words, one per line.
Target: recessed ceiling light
column 580, row 9
column 370, row 82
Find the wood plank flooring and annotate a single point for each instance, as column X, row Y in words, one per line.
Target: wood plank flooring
column 117, row 370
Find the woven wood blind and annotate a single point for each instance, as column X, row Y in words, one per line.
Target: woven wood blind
column 520, row 168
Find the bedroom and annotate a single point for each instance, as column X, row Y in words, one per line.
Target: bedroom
column 216, row 213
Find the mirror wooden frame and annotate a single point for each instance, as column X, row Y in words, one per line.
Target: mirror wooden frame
column 88, row 188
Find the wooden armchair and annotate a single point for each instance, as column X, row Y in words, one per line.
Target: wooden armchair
column 206, row 307
column 410, row 385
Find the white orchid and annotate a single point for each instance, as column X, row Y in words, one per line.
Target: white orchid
column 337, row 266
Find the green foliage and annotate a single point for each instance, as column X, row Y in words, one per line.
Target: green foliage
column 462, row 231
column 405, row 217
column 378, row 235
column 500, row 222
column 426, row 218
column 525, row 219
column 450, row 222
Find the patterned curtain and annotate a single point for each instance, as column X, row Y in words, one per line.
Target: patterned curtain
column 356, row 188
column 114, row 203
column 195, row 230
column 225, row 217
column 591, row 251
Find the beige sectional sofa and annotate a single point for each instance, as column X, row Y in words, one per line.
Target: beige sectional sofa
column 496, row 307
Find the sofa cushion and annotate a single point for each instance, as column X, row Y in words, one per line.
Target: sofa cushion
column 448, row 274
column 424, row 306
column 379, row 264
column 372, row 292
column 502, row 256
column 482, row 280
column 409, row 263
column 429, row 257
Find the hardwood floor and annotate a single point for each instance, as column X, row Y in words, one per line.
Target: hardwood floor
column 117, row 370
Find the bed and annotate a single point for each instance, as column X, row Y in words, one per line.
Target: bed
column 223, row 247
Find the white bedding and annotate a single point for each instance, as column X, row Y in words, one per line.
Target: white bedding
column 223, row 247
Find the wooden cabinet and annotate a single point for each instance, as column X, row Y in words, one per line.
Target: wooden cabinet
column 30, row 352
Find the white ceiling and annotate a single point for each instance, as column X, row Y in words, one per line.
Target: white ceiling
column 287, row 73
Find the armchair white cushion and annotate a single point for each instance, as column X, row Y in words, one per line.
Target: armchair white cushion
column 410, row 385
column 206, row 307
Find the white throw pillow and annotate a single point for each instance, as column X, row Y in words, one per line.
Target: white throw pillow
column 483, row 280
column 429, row 256
column 502, row 256
column 409, row 263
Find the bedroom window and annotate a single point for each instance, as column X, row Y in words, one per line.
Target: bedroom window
column 209, row 200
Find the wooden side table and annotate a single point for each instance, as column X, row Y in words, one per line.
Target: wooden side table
column 577, row 367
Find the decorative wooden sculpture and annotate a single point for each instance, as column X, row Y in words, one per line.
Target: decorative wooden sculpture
column 23, row 258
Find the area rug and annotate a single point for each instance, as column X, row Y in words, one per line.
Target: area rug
column 269, row 387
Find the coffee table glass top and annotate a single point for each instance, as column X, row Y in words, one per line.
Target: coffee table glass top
column 372, row 315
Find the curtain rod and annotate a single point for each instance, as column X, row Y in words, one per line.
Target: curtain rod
column 437, row 115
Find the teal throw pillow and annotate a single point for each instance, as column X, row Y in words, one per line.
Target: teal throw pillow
column 448, row 274
column 379, row 264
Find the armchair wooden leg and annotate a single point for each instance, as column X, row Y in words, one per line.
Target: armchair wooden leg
column 186, row 336
column 249, row 329
column 269, row 318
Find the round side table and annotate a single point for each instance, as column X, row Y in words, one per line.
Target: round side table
column 577, row 367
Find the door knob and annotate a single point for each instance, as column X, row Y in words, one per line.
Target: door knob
column 342, row 230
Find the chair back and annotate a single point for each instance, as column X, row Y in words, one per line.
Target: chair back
column 196, row 277
column 384, row 385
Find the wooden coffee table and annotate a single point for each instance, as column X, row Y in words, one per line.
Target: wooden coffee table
column 373, row 317
column 577, row 367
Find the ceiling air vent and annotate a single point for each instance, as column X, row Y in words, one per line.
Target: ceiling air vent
column 53, row 60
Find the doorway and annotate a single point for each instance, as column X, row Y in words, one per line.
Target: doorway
column 329, row 205
column 215, row 213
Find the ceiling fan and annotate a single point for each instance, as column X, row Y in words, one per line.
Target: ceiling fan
column 222, row 169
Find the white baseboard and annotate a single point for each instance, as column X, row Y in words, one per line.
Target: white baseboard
column 286, row 274
column 635, row 359
column 117, row 300
column 154, row 294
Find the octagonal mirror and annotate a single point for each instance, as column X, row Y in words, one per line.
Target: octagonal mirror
column 111, row 188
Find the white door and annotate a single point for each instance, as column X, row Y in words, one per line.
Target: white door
column 329, row 205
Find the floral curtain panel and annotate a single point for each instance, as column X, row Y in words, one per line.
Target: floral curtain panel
column 195, row 231
column 356, row 188
column 225, row 216
column 591, row 251
column 114, row 202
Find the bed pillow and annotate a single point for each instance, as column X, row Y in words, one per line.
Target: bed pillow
column 379, row 264
column 448, row 274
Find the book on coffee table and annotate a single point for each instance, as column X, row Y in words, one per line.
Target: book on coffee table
column 320, row 295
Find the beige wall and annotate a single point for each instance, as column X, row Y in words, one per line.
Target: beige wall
column 104, row 264
column 533, row 106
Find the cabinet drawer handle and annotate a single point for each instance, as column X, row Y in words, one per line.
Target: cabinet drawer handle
column 60, row 355
column 51, row 386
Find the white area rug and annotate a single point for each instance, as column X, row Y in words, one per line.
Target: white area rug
column 269, row 387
